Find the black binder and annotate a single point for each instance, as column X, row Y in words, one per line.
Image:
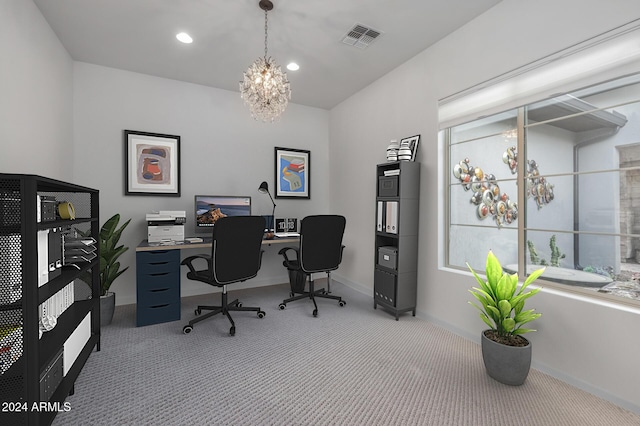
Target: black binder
column 55, row 252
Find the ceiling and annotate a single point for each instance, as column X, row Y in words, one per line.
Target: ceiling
column 139, row 36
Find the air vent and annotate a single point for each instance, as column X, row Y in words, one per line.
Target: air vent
column 360, row 36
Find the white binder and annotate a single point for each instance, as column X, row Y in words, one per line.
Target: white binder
column 43, row 257
column 391, row 219
column 381, row 212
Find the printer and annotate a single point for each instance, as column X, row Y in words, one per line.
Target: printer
column 166, row 225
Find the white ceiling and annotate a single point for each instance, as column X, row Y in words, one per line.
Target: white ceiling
column 139, row 35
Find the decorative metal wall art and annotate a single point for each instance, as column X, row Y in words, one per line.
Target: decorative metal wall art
column 537, row 186
column 486, row 194
column 510, row 158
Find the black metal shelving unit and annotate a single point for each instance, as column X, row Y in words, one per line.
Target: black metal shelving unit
column 396, row 238
column 25, row 359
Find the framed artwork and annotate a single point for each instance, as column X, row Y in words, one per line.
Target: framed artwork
column 292, row 173
column 152, row 164
column 413, row 144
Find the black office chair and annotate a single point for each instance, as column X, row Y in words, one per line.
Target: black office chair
column 320, row 250
column 236, row 256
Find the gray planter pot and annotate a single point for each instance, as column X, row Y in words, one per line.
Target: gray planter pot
column 507, row 364
column 107, row 307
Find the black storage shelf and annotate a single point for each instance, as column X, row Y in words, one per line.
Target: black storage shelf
column 66, row 387
column 32, row 355
column 15, row 306
column 395, row 288
column 69, row 273
column 67, row 323
column 63, row 223
column 16, row 370
column 387, row 269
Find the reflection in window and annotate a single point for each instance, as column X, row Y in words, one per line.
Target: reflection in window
column 580, row 155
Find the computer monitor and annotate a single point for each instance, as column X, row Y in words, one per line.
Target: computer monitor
column 210, row 208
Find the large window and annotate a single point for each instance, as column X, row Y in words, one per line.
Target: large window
column 554, row 183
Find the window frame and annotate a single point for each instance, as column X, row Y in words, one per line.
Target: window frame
column 522, row 128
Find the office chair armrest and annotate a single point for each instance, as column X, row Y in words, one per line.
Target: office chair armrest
column 283, row 252
column 189, row 261
column 341, row 250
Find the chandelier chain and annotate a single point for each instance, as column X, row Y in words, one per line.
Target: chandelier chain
column 265, row 87
column 265, row 34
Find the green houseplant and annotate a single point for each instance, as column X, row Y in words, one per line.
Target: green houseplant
column 110, row 251
column 506, row 353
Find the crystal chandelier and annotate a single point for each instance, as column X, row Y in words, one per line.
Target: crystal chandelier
column 265, row 87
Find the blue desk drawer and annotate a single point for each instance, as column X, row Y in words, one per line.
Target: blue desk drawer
column 158, row 256
column 157, row 281
column 163, row 312
column 157, row 268
column 159, row 296
column 157, row 286
column 163, row 262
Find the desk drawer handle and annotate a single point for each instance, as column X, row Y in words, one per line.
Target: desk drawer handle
column 160, row 289
column 160, row 306
column 157, row 274
column 155, row 252
column 158, row 263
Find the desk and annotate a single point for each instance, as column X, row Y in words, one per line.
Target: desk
column 158, row 278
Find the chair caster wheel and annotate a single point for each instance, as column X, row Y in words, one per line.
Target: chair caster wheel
column 315, row 312
column 291, row 294
column 282, row 306
column 261, row 314
column 239, row 304
column 187, row 329
column 197, row 312
column 232, row 331
column 342, row 303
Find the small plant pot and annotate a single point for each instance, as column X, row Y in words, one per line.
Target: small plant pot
column 107, row 307
column 506, row 364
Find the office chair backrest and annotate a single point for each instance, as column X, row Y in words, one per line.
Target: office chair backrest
column 321, row 242
column 236, row 251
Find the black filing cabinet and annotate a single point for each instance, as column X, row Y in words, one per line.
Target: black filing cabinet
column 158, row 286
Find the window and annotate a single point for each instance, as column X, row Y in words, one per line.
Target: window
column 553, row 183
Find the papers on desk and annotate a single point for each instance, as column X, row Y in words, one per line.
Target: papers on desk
column 287, row 234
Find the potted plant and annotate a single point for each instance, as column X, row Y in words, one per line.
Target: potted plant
column 110, row 251
column 506, row 353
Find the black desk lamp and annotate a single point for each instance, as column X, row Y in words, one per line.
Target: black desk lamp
column 264, row 189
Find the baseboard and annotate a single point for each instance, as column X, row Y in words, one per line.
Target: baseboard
column 352, row 284
column 594, row 390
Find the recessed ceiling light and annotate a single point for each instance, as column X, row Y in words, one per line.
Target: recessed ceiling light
column 293, row 66
column 184, row 37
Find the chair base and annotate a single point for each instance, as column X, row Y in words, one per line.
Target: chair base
column 312, row 294
column 224, row 308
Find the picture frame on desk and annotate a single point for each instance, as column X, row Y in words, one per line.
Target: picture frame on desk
column 413, row 141
column 292, row 173
column 152, row 164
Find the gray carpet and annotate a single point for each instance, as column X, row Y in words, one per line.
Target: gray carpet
column 351, row 365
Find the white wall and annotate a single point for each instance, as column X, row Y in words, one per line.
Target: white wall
column 223, row 152
column 36, row 75
column 35, row 107
column 403, row 103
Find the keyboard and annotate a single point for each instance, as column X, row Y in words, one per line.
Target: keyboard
column 287, row 234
